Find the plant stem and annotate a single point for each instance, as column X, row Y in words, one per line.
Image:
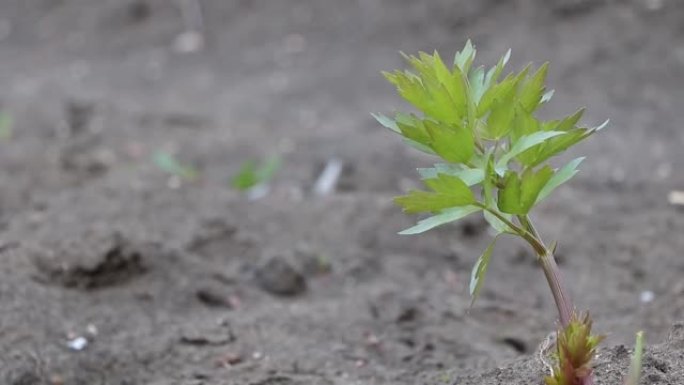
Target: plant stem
column 552, row 273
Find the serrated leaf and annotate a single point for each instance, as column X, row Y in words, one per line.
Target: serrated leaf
column 500, row 118
column 446, row 216
column 520, row 192
column 554, row 146
column 524, row 143
column 423, row 201
column 433, row 89
column 450, row 185
column 533, row 89
column 470, row 176
column 386, row 122
column 414, row 129
column 454, row 144
column 476, row 81
column 561, row 176
column 449, row 191
column 464, row 58
column 494, row 72
column 479, row 272
column 499, row 91
column 419, row 146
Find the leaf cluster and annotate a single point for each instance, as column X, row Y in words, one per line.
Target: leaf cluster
column 493, row 147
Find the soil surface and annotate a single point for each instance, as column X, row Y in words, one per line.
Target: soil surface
column 116, row 272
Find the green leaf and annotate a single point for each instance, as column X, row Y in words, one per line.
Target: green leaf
column 524, row 143
column 476, row 81
column 446, row 216
column 387, row 122
column 494, row 72
column 433, row 89
column 464, row 59
column 479, row 271
column 413, row 128
column 450, row 191
column 487, row 189
column 520, row 192
column 470, row 176
column 451, row 185
column 559, row 177
column 554, row 146
column 454, row 144
column 503, row 90
column 500, row 118
column 419, row 146
column 533, row 90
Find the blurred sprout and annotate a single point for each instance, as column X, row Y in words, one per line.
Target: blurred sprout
column 6, row 125
column 169, row 164
column 252, row 175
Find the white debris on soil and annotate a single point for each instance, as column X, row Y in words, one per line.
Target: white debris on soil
column 676, row 198
column 188, row 42
column 327, row 181
column 646, row 296
column 257, row 192
column 78, row 343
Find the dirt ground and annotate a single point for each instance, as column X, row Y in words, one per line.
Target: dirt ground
column 115, row 273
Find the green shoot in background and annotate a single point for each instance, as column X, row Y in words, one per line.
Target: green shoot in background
column 169, row 164
column 494, row 153
column 6, row 125
column 252, row 174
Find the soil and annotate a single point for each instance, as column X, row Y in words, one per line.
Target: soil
column 115, row 272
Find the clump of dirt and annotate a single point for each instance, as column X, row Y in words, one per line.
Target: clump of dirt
column 662, row 364
column 94, row 259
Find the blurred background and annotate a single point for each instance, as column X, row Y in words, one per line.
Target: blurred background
column 136, row 247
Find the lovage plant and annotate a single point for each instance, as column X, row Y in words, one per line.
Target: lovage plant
column 495, row 153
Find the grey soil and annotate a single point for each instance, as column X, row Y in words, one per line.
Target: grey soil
column 188, row 282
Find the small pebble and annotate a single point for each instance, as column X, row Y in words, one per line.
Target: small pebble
column 646, row 296
column 77, row 344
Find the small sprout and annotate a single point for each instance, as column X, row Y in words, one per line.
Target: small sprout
column 169, row 164
column 635, row 367
column 575, row 349
column 494, row 151
column 6, row 125
column 253, row 175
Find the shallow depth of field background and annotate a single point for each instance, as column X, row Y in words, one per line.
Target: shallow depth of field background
column 115, row 271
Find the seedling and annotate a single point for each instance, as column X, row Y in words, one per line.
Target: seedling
column 495, row 153
column 6, row 125
column 252, row 175
column 169, row 164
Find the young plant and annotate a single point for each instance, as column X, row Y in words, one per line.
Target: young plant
column 252, row 175
column 495, row 153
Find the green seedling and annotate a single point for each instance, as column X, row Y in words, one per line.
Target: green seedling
column 169, row 164
column 252, row 175
column 6, row 126
column 495, row 154
column 635, row 367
